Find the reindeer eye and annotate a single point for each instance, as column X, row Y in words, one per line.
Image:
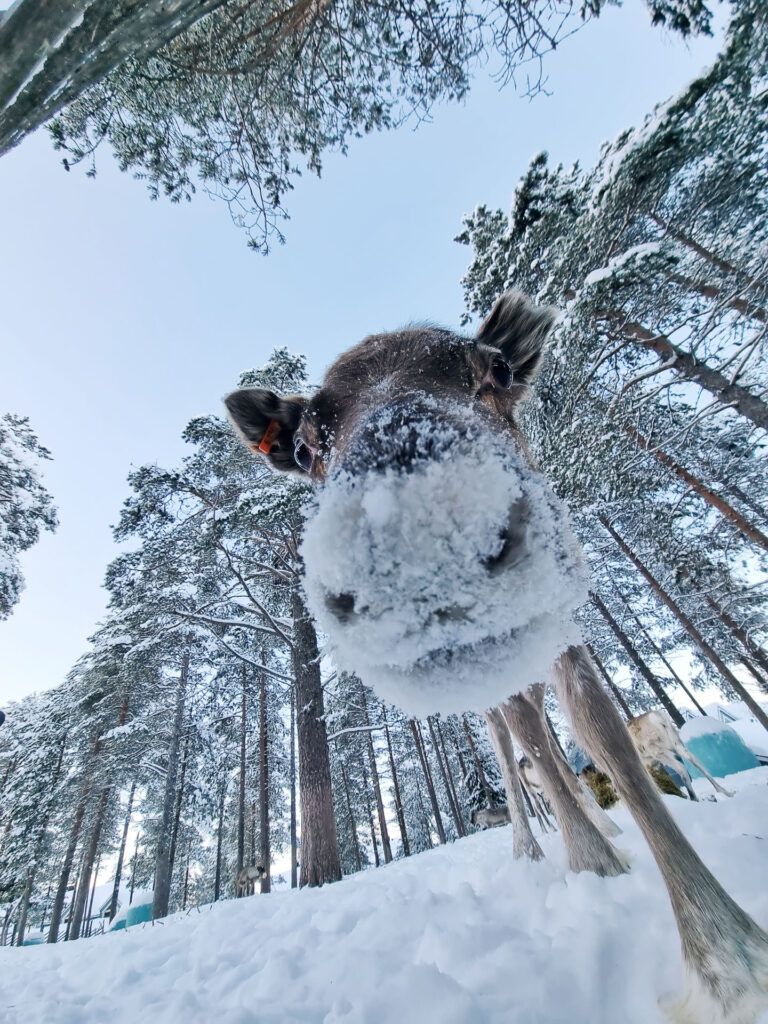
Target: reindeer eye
column 302, row 455
column 501, row 372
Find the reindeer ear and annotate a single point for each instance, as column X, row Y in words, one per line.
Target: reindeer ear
column 266, row 423
column 520, row 330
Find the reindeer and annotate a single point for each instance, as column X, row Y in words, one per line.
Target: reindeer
column 245, row 883
column 423, row 401
column 489, row 817
column 657, row 741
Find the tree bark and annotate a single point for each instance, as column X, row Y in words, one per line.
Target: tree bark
column 241, row 787
column 39, row 842
column 710, row 497
column 83, row 888
column 444, row 774
column 383, row 830
column 266, row 855
column 320, row 861
column 706, row 254
column 186, row 880
column 162, row 891
column 369, row 809
column 119, row 869
column 294, row 857
column 689, row 367
column 761, row 681
column 417, row 738
column 352, row 823
column 660, row 654
column 179, row 801
column 74, row 835
column 219, row 839
column 717, row 294
column 628, row 716
column 741, row 635
column 396, row 787
column 707, row 650
column 89, row 919
column 638, row 662
column 36, row 81
column 478, row 763
column 133, row 868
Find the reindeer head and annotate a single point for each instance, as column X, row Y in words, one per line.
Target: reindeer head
column 438, row 560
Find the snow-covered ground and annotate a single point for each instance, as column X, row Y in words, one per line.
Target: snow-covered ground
column 458, row 935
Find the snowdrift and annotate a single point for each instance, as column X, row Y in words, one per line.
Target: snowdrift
column 457, row 935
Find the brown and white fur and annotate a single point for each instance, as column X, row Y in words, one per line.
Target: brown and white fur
column 245, row 884
column 490, row 817
column 657, row 741
column 428, row 372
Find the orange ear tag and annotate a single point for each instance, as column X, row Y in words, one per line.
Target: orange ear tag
column 265, row 445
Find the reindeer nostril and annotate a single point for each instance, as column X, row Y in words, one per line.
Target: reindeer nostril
column 512, row 536
column 342, row 605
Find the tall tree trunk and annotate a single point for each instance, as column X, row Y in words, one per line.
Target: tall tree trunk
column 46, row 904
column 162, row 890
column 421, row 751
column 75, row 891
column 186, row 879
column 241, row 788
column 45, row 813
column 37, row 79
column 707, row 650
column 320, row 861
column 478, row 763
column 133, row 868
column 741, row 635
column 628, row 716
column 178, row 803
column 638, row 662
column 252, row 859
column 449, row 773
column 369, row 809
column 721, row 295
column 219, row 838
column 89, row 920
column 704, row 492
column 711, row 257
column 78, row 911
column 119, row 869
column 396, row 787
column 74, row 835
column 690, row 368
column 383, row 830
column 294, row 857
column 761, row 681
column 455, row 813
column 352, row 823
column 660, row 654
column 265, row 851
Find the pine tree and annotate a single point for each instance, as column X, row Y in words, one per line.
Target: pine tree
column 26, row 507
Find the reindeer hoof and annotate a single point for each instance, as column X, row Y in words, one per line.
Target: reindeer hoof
column 741, row 996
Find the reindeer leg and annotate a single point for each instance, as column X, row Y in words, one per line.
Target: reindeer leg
column 684, row 774
column 724, row 952
column 685, row 752
column 524, row 843
column 534, row 806
column 588, row 849
column 599, row 818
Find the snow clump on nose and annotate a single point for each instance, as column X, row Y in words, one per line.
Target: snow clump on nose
column 448, row 587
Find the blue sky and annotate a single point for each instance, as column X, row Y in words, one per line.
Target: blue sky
column 123, row 318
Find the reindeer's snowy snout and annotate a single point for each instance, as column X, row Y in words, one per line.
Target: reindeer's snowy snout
column 446, row 581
